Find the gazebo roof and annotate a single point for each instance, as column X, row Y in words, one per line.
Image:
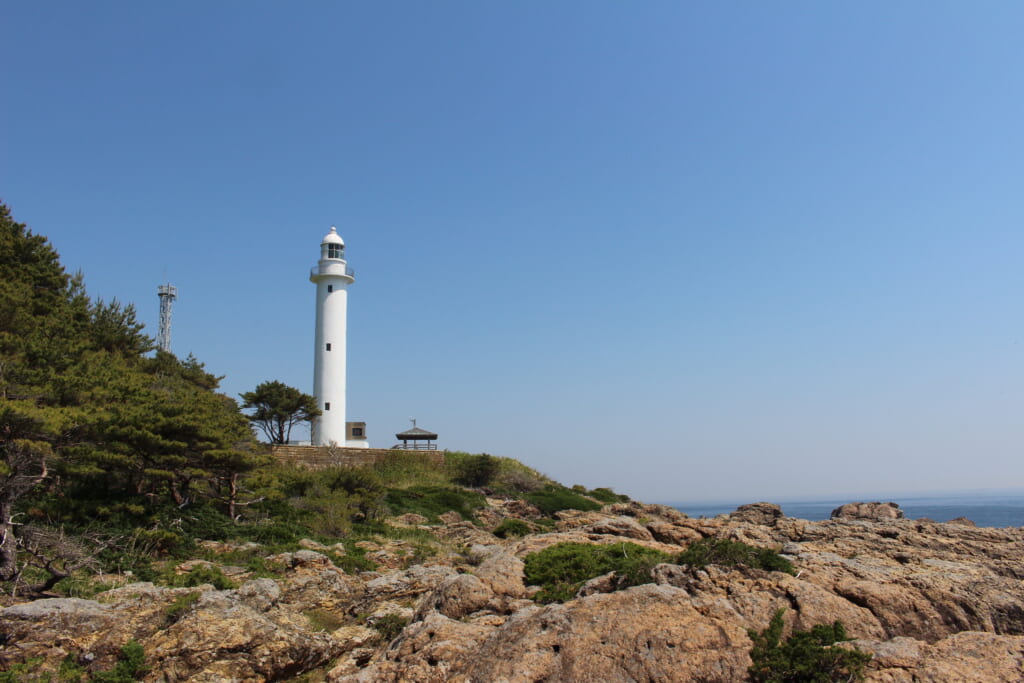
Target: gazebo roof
column 416, row 433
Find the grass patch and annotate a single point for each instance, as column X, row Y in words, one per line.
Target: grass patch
column 726, row 553
column 324, row 620
column 562, row 569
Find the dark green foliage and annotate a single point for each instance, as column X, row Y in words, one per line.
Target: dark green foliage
column 431, row 501
column 278, row 408
column 131, row 666
column 511, row 527
column 561, row 570
column 389, row 626
column 728, row 553
column 805, row 657
column 477, row 470
column 554, row 498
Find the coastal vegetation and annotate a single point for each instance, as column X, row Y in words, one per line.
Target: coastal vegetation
column 804, row 657
column 120, row 458
column 561, row 570
column 728, row 553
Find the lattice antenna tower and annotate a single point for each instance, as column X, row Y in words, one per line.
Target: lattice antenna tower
column 167, row 293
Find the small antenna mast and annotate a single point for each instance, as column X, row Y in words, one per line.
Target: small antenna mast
column 167, row 293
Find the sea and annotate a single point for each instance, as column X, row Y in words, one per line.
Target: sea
column 991, row 509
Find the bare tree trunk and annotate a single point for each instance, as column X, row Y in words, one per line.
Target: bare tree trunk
column 8, row 542
column 232, row 494
column 26, row 463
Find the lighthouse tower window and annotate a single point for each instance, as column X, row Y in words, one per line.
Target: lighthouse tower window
column 327, row 405
column 330, row 288
column 335, row 251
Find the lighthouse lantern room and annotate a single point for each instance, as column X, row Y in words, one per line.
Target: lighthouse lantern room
column 332, row 276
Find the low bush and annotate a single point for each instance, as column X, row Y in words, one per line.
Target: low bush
column 728, row 553
column 562, row 569
column 511, row 527
column 389, row 626
column 805, row 657
column 477, row 470
column 432, row 501
column 131, row 666
column 554, row 498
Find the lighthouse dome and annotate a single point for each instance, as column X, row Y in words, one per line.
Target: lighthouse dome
column 333, row 237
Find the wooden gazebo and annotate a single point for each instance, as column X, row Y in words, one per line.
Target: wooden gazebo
column 420, row 439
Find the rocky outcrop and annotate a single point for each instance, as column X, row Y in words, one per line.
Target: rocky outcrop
column 874, row 511
column 765, row 514
column 931, row 602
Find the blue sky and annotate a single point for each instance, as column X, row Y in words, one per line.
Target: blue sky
column 689, row 250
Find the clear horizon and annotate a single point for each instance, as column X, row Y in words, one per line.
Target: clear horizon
column 683, row 250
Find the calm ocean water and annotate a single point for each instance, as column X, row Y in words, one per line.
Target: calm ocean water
column 983, row 509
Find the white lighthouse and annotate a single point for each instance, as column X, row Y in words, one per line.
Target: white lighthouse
column 332, row 276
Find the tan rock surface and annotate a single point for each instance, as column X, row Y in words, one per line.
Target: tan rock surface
column 933, row 602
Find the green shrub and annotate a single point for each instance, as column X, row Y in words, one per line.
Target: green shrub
column 477, row 470
column 389, row 626
column 805, row 657
column 554, row 498
column 24, row 672
column 728, row 553
column 511, row 526
column 562, row 569
column 130, row 667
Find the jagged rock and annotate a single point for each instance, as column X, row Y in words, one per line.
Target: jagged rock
column 574, row 519
column 645, row 633
column 606, row 583
column 873, row 511
column 425, row 653
column 966, row 656
column 464, row 533
column 963, row 521
column 666, row 532
column 765, row 514
column 932, row 601
column 502, row 572
column 457, row 597
column 624, row 527
column 450, row 517
column 635, row 508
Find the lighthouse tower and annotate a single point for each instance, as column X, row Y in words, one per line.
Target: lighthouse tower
column 332, row 276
